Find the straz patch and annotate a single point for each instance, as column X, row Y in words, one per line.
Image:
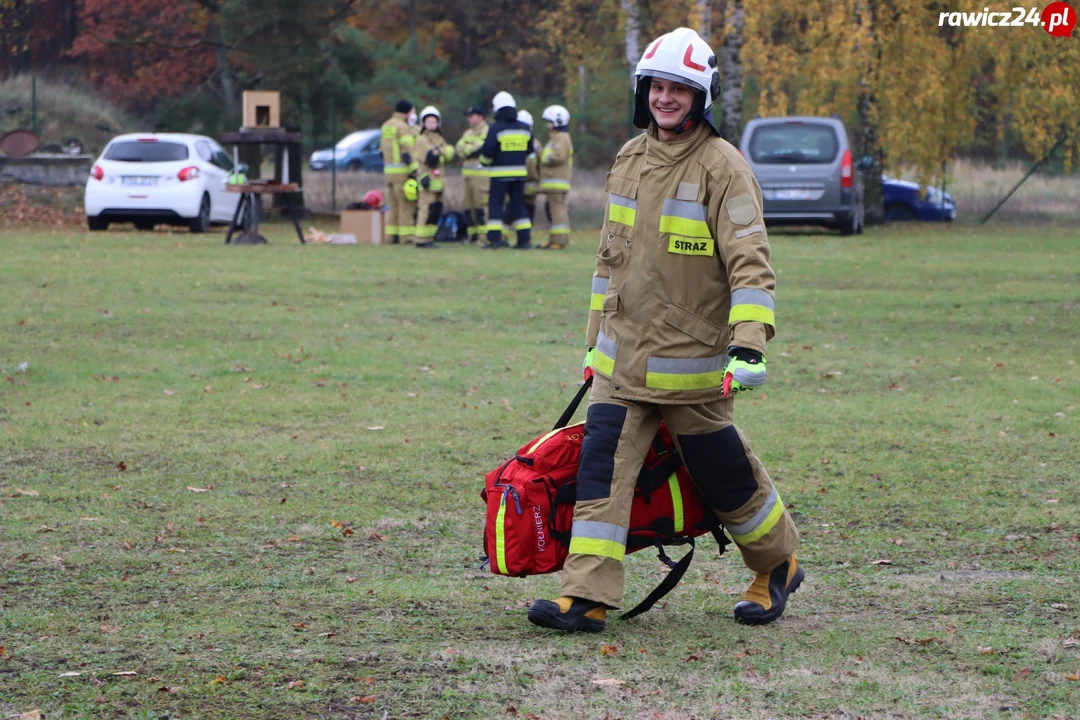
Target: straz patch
column 691, row 246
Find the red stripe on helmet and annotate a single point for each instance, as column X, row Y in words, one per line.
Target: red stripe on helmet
column 653, row 48
column 688, row 61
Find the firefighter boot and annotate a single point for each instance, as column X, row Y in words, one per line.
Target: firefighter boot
column 765, row 599
column 568, row 613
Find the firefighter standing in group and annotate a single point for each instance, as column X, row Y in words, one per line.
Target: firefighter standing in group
column 433, row 153
column 557, row 165
column 532, row 173
column 398, row 141
column 682, row 305
column 475, row 174
column 504, row 152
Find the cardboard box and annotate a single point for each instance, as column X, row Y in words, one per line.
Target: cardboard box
column 369, row 226
column 262, row 109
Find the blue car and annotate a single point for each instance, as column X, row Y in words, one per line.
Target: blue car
column 905, row 201
column 356, row 151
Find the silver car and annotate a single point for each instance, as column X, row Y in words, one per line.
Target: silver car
column 806, row 172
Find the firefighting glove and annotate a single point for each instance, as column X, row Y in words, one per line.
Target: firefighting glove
column 425, row 182
column 411, row 190
column 586, row 366
column 406, row 158
column 432, row 159
column 745, row 371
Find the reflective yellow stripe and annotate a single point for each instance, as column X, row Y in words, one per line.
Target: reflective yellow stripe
column 690, row 246
column 622, row 215
column 474, row 172
column 498, row 172
column 596, row 301
column 555, row 185
column 500, row 536
column 684, row 226
column 676, row 501
column 667, row 381
column 766, row 525
column 752, row 313
column 408, row 140
column 542, row 440
column 601, row 548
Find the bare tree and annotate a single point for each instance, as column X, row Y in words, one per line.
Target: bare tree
column 732, row 78
column 868, row 139
column 632, row 35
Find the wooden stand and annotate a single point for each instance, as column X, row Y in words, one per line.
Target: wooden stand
column 249, row 207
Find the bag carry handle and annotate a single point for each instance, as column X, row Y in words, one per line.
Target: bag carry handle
column 568, row 413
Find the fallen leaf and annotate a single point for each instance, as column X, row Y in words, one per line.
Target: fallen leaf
column 171, row 690
column 298, row 684
column 121, row 466
column 219, row 680
column 1024, row 673
column 1074, row 677
column 376, row 427
column 28, row 493
column 208, row 389
column 693, row 657
column 364, row 699
column 299, row 626
column 3, row 652
column 986, row 650
column 70, row 674
column 335, row 523
column 125, row 673
column 606, row 649
column 32, row 715
column 930, row 641
column 169, row 392
column 1071, row 642
column 883, row 561
column 377, row 537
column 350, row 579
column 348, row 532
column 608, row 682
column 328, row 634
column 241, row 369
column 195, row 489
column 107, row 629
column 1059, row 606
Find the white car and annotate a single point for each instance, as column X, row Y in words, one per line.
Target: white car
column 151, row 178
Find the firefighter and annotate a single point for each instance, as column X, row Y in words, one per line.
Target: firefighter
column 682, row 304
column 476, row 178
column 433, row 154
column 557, row 160
column 504, row 153
column 398, row 141
column 532, row 174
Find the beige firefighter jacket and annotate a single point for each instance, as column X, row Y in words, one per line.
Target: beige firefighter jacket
column 532, row 170
column 471, row 141
column 432, row 141
column 557, row 163
column 397, row 146
column 683, row 269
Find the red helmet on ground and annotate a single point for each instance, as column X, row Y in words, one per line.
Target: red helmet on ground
column 374, row 199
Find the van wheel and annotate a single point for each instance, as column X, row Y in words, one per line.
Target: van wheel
column 850, row 226
column 201, row 223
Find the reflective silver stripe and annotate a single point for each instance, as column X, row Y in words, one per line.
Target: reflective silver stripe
column 684, row 209
column 759, row 517
column 401, row 166
column 749, row 231
column 623, row 201
column 606, row 345
column 599, row 285
column 599, row 531
column 685, row 366
column 753, row 297
column 513, row 133
column 506, row 168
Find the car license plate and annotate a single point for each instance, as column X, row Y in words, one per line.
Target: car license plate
column 137, row 181
column 793, row 194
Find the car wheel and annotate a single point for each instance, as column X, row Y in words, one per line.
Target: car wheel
column 201, row 223
column 862, row 221
column 144, row 225
column 899, row 213
column 850, row 225
column 97, row 224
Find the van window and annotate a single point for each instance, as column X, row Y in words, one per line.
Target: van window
column 794, row 144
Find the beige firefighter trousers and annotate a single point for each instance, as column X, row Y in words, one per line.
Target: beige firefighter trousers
column 730, row 477
column 559, row 217
column 401, row 217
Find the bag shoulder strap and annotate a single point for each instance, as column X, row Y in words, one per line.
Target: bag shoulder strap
column 568, row 413
column 666, row 585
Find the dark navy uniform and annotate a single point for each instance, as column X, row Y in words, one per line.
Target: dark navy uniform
column 505, row 150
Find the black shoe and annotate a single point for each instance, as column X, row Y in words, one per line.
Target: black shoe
column 496, row 244
column 395, row 240
column 572, row 614
column 428, row 244
column 766, row 598
column 523, row 246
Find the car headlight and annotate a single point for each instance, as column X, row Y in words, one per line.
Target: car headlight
column 933, row 196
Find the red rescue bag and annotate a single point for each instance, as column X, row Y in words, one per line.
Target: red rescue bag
column 530, row 506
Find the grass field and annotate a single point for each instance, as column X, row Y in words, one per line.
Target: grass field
column 243, row 482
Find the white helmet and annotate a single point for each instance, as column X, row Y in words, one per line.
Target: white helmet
column 682, row 56
column 557, row 115
column 431, row 110
column 526, row 117
column 502, row 100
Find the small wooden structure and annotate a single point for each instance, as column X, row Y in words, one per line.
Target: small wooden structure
column 247, row 147
column 262, row 109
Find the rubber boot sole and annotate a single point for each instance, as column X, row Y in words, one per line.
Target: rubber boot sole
column 548, row 615
column 776, row 611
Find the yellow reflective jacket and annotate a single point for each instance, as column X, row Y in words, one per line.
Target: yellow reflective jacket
column 472, row 140
column 398, row 141
column 557, row 160
column 683, row 269
column 428, row 141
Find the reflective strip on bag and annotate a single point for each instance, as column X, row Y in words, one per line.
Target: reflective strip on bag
column 599, row 289
column 749, row 305
column 680, row 217
column 589, row 537
column 676, row 502
column 604, row 359
column 685, row 373
column 763, row 521
column 500, row 535
column 622, row 210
